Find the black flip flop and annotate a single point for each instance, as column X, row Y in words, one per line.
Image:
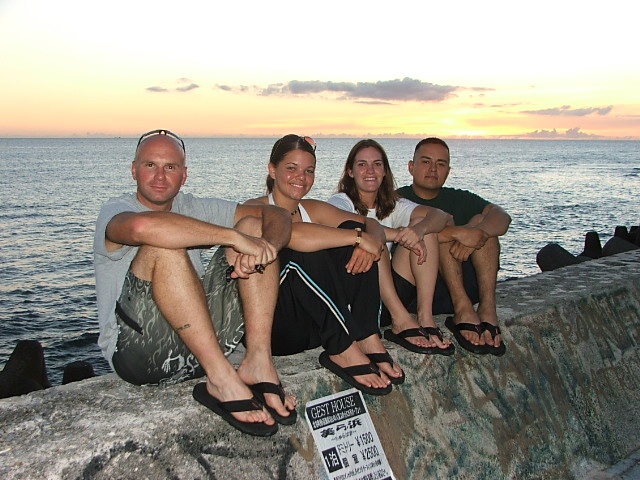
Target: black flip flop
column 455, row 329
column 386, row 358
column 348, row 373
column 224, row 410
column 494, row 330
column 401, row 339
column 259, row 389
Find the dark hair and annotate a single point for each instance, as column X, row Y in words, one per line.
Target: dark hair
column 386, row 198
column 287, row 144
column 431, row 140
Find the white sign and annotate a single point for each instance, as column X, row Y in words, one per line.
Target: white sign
column 346, row 438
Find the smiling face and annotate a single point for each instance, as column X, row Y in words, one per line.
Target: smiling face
column 368, row 170
column 159, row 170
column 293, row 176
column 429, row 169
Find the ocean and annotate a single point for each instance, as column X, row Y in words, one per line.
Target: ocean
column 52, row 190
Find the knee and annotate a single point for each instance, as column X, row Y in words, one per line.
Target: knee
column 250, row 226
column 351, row 224
column 149, row 257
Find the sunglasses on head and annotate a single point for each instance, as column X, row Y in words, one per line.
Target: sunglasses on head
column 310, row 141
column 160, row 132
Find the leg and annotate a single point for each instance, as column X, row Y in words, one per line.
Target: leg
column 313, row 299
column 486, row 263
column 259, row 294
column 401, row 319
column 424, row 278
column 179, row 295
column 451, row 272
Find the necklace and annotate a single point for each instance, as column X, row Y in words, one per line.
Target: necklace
column 294, row 212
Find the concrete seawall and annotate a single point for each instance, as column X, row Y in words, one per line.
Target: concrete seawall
column 562, row 403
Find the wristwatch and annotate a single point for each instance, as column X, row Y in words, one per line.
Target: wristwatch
column 359, row 237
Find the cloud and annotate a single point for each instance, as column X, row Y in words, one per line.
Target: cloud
column 186, row 88
column 572, row 133
column 402, row 90
column 184, row 85
column 567, row 111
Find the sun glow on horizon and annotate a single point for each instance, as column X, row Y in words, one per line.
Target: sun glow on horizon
column 217, row 70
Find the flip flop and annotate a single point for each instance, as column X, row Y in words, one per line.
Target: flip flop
column 386, row 358
column 494, row 330
column 400, row 339
column 224, row 410
column 455, row 329
column 259, row 389
column 348, row 373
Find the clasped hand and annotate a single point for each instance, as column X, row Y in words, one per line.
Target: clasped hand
column 253, row 254
column 365, row 254
column 467, row 241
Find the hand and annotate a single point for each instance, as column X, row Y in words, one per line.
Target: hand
column 407, row 237
column 472, row 237
column 253, row 255
column 420, row 249
column 372, row 245
column 460, row 252
column 361, row 261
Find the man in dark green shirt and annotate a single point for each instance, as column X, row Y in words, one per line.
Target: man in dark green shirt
column 472, row 240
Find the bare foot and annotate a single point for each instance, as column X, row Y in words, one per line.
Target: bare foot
column 400, row 325
column 373, row 344
column 429, row 322
column 259, row 368
column 489, row 316
column 230, row 387
column 472, row 318
column 353, row 356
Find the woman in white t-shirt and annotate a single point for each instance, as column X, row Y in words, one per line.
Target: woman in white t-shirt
column 367, row 187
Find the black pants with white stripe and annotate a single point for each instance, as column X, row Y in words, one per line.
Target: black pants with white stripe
column 319, row 303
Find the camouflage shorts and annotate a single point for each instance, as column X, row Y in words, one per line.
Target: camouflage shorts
column 149, row 351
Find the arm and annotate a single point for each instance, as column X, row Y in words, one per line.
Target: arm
column 424, row 220
column 492, row 222
column 430, row 220
column 165, row 230
column 311, row 237
column 276, row 222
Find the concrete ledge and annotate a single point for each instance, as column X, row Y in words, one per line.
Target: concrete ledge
column 561, row 403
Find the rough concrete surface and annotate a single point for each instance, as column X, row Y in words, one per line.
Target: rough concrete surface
column 562, row 403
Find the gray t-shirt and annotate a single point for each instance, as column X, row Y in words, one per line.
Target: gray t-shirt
column 111, row 267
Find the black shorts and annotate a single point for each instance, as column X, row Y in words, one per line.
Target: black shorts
column 441, row 299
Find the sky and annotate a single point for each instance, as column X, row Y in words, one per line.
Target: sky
column 454, row 69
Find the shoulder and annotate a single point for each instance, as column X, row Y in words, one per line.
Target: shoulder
column 451, row 192
column 257, row 201
column 405, row 191
column 312, row 204
column 124, row 203
column 185, row 203
column 342, row 201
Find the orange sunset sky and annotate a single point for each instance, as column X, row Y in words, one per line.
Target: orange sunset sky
column 544, row 69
